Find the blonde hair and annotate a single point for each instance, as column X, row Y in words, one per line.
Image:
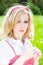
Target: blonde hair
column 10, row 18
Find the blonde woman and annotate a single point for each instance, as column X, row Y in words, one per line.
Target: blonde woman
column 18, row 30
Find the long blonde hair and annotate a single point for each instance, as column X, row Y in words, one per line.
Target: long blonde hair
column 10, row 18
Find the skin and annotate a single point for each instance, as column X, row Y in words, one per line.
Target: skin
column 21, row 25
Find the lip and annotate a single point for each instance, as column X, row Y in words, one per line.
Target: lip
column 21, row 30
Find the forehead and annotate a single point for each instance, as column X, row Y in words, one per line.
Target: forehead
column 22, row 14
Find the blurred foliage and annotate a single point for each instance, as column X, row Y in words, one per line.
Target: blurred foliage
column 35, row 5
column 35, row 9
column 4, row 4
column 38, row 3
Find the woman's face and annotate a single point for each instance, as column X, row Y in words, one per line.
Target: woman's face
column 20, row 28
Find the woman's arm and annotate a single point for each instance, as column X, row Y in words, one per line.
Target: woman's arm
column 25, row 56
column 29, row 53
column 37, row 54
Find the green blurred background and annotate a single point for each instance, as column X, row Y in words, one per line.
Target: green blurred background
column 36, row 7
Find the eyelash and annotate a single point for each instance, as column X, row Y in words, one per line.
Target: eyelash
column 18, row 21
column 24, row 21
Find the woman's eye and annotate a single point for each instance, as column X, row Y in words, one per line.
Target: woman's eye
column 18, row 21
column 25, row 21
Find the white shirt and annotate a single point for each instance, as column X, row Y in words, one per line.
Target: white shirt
column 6, row 52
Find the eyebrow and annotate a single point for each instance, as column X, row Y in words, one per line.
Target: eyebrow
column 25, row 19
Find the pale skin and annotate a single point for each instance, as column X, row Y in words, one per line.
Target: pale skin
column 19, row 29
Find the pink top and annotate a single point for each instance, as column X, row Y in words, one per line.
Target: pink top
column 27, row 62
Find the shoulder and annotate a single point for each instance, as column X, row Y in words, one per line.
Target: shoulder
column 4, row 47
column 3, row 44
column 4, row 53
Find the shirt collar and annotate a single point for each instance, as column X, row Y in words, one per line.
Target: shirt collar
column 19, row 42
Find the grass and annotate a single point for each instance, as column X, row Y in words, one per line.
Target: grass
column 38, row 38
column 1, row 19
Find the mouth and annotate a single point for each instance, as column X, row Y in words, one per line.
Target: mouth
column 21, row 30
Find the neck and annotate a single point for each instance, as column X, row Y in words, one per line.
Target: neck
column 20, row 38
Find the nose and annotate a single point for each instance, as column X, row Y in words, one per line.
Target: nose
column 21, row 24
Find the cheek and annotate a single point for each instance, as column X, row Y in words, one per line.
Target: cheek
column 26, row 26
column 16, row 28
